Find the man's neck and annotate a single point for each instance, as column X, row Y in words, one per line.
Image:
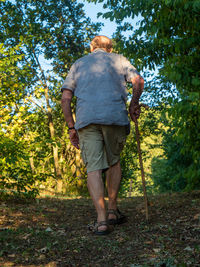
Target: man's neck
column 99, row 49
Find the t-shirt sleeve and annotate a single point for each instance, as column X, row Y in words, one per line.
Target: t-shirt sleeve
column 129, row 70
column 70, row 82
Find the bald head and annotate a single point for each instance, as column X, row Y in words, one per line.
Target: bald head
column 101, row 41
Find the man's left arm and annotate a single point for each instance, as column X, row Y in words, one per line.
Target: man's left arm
column 138, row 86
column 133, row 76
column 66, row 108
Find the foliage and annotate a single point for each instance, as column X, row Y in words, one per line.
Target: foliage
column 39, row 41
column 17, row 176
column 166, row 39
column 15, row 169
column 129, row 165
column 150, row 130
column 176, row 170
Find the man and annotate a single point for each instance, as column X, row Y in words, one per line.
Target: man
column 98, row 81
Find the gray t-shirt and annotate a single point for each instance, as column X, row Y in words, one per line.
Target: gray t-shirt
column 98, row 80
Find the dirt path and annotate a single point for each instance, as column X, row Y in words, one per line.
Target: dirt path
column 53, row 232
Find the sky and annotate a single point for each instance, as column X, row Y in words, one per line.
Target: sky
column 109, row 28
column 91, row 11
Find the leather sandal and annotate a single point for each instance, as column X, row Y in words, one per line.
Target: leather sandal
column 120, row 218
column 94, row 228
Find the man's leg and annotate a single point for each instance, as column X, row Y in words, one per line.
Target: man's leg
column 113, row 178
column 96, row 189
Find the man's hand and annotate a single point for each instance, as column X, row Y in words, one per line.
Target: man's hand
column 73, row 136
column 134, row 108
column 134, row 111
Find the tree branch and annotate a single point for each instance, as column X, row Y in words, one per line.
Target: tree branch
column 32, row 101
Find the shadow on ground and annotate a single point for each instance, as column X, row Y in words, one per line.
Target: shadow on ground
column 53, row 232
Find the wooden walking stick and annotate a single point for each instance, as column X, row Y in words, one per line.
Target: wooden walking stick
column 141, row 164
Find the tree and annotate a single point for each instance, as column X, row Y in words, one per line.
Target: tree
column 167, row 38
column 16, row 170
column 41, row 32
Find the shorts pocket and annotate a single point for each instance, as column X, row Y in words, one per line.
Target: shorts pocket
column 121, row 142
column 83, row 153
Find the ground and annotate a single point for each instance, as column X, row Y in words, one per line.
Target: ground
column 53, row 232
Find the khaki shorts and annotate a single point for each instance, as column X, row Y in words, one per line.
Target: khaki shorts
column 101, row 145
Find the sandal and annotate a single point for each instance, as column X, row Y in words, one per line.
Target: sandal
column 94, row 228
column 120, row 218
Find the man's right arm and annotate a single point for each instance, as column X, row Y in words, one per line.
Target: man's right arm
column 138, row 86
column 66, row 108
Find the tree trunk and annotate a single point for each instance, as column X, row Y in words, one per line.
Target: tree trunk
column 50, row 119
column 32, row 162
column 52, row 134
column 131, row 188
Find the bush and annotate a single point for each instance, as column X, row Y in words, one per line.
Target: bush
column 16, row 176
